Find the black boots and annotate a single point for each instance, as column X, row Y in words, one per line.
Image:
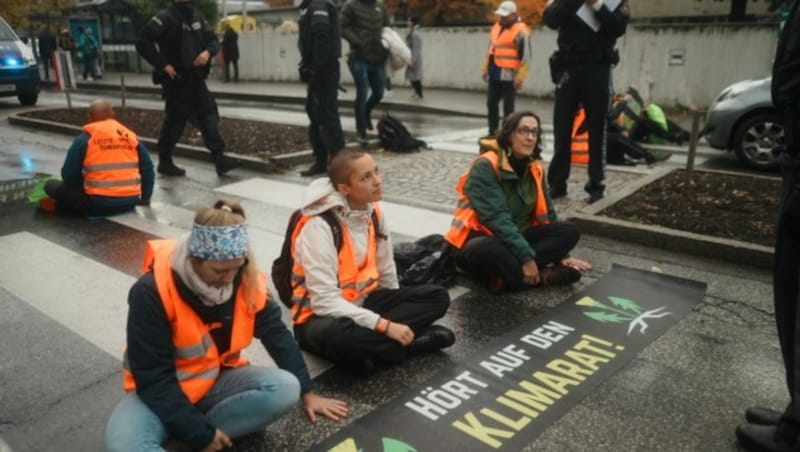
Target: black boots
column 167, row 168
column 224, row 164
column 314, row 170
column 436, row 338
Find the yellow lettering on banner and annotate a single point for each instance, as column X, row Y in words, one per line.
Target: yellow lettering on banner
column 585, row 344
column 585, row 359
column 537, row 397
column 348, row 445
column 569, row 369
column 517, row 425
column 555, row 382
column 517, row 406
column 475, row 429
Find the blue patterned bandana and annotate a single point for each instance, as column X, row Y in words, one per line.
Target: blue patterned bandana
column 218, row 243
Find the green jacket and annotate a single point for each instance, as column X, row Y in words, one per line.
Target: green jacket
column 505, row 206
column 362, row 27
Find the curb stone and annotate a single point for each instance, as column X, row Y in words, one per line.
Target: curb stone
column 588, row 218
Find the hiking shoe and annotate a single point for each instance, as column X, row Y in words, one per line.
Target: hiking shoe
column 167, row 168
column 762, row 416
column 363, row 140
column 762, row 438
column 313, row 170
column 557, row 193
column 225, row 164
column 436, row 338
column 656, row 155
column 594, row 197
column 558, row 275
column 47, row 204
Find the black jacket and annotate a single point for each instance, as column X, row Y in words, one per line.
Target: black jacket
column 176, row 36
column 362, row 27
column 577, row 39
column 151, row 354
column 786, row 67
column 230, row 45
column 320, row 38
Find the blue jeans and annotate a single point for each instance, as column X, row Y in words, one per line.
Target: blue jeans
column 242, row 401
column 366, row 76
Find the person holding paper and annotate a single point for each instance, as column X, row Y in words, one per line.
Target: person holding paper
column 581, row 71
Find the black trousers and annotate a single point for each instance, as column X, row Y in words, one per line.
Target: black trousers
column 787, row 270
column 619, row 146
column 499, row 90
column 235, row 64
column 484, row 256
column 322, row 106
column 587, row 85
column 189, row 98
column 73, row 200
column 341, row 341
column 417, row 85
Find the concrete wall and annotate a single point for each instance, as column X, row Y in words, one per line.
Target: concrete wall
column 661, row 8
column 675, row 65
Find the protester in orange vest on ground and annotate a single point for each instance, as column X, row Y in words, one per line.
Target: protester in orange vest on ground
column 580, row 138
column 505, row 227
column 199, row 303
column 506, row 64
column 348, row 306
column 106, row 171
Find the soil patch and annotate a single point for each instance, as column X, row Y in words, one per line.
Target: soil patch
column 736, row 207
column 728, row 206
column 252, row 138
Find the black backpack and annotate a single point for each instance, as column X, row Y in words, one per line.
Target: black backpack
column 395, row 136
column 282, row 265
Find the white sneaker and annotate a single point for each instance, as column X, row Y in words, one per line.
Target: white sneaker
column 388, row 93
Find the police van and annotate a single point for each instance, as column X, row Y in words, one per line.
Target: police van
column 19, row 73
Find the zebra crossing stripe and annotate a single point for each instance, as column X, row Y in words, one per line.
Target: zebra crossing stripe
column 401, row 219
column 85, row 296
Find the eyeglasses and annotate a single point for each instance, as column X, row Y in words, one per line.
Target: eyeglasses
column 525, row 131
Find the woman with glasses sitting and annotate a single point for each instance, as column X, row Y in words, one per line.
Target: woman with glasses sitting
column 505, row 228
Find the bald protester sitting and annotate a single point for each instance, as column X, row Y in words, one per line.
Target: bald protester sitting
column 106, row 171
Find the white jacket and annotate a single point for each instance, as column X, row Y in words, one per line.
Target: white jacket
column 316, row 252
column 399, row 53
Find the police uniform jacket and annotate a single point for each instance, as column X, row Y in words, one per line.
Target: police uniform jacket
column 320, row 38
column 577, row 42
column 180, row 34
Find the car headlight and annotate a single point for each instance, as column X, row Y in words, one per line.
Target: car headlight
column 30, row 62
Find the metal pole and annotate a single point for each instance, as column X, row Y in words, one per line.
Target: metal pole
column 122, row 89
column 696, row 114
column 244, row 15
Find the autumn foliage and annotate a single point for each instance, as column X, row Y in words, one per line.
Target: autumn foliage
column 443, row 12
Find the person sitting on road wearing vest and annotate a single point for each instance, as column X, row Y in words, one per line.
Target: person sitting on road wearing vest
column 505, row 228
column 106, row 171
column 199, row 303
column 506, row 64
column 348, row 306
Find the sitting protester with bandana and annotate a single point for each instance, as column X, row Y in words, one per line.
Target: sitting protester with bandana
column 199, row 303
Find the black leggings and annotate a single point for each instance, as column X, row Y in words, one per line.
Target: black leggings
column 486, row 256
column 340, row 340
column 75, row 200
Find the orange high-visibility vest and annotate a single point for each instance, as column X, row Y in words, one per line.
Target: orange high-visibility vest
column 465, row 219
column 197, row 360
column 580, row 141
column 355, row 281
column 504, row 47
column 111, row 164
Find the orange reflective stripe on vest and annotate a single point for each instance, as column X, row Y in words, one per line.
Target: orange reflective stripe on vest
column 504, row 45
column 111, row 163
column 465, row 219
column 355, row 282
column 580, row 141
column 197, row 360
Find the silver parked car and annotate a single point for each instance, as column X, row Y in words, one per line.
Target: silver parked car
column 743, row 119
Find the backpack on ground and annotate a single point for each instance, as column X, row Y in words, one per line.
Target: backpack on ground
column 282, row 265
column 429, row 260
column 395, row 136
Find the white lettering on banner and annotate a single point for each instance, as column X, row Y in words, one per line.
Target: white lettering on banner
column 434, row 403
column 504, row 361
column 547, row 335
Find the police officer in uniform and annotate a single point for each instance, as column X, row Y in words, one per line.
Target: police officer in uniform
column 581, row 70
column 179, row 44
column 767, row 430
column 320, row 46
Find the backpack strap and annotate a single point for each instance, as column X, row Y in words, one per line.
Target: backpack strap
column 336, row 228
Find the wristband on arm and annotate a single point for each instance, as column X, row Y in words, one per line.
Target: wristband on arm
column 382, row 325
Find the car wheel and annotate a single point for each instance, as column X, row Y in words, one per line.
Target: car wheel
column 758, row 141
column 28, row 99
